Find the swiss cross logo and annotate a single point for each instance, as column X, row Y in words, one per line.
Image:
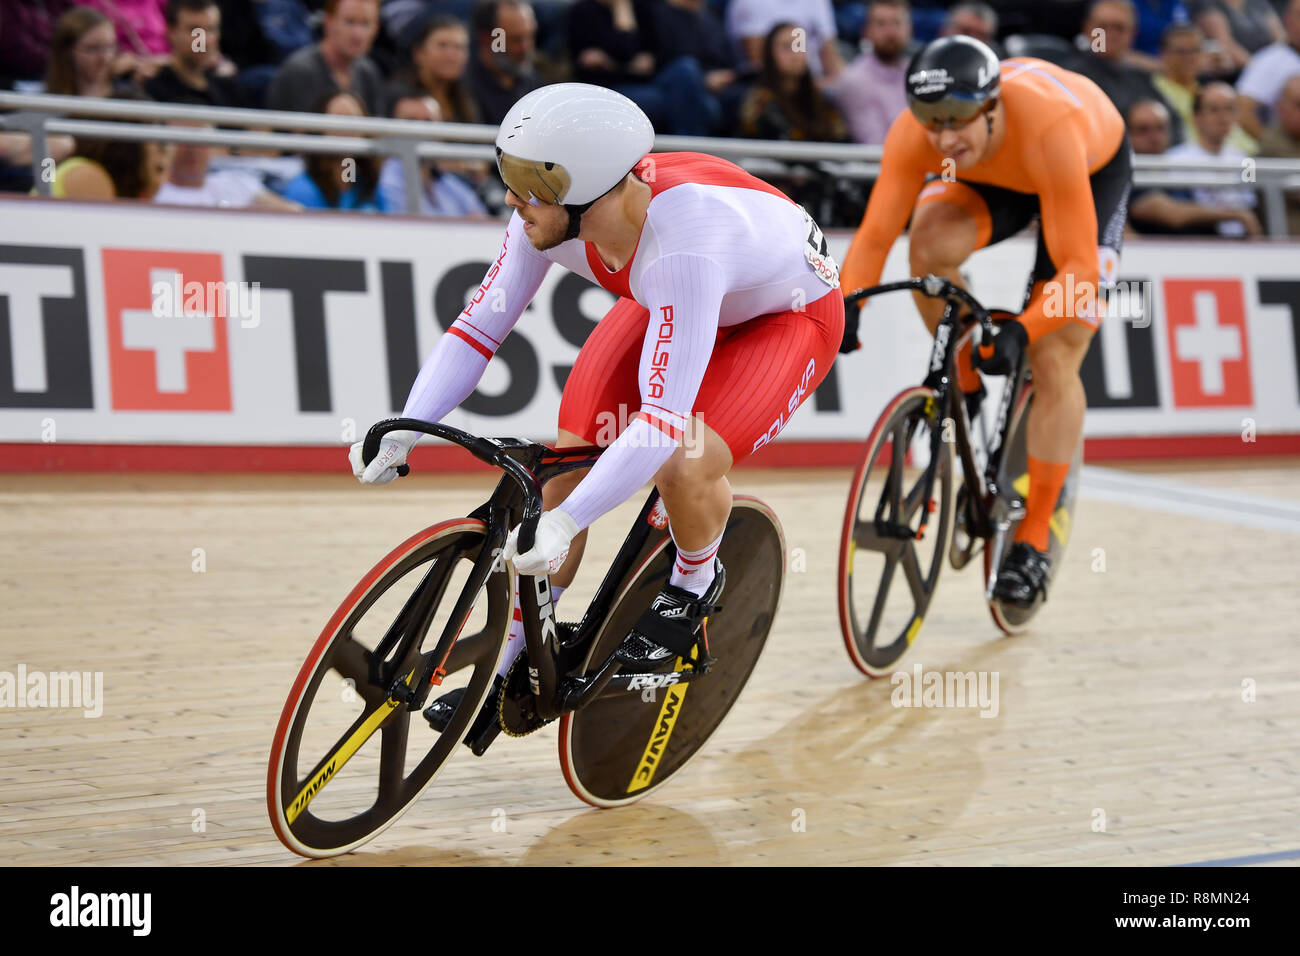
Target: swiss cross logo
column 1209, row 357
column 164, row 359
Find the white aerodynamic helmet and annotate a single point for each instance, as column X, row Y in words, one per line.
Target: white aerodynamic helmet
column 570, row 143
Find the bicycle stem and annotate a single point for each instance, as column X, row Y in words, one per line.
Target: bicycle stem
column 935, row 287
column 492, row 451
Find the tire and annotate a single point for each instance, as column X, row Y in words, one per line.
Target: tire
column 875, row 634
column 315, row 827
column 620, row 748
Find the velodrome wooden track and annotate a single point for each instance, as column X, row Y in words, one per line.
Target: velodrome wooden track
column 1125, row 698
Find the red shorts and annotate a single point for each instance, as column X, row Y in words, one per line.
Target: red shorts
column 760, row 372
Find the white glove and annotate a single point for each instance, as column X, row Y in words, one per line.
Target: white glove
column 554, row 532
column 393, row 449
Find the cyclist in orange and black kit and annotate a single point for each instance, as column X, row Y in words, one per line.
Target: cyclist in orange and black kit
column 984, row 149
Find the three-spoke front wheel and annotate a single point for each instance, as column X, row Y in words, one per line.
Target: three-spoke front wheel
column 888, row 573
column 348, row 759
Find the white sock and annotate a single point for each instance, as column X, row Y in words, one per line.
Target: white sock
column 515, row 643
column 693, row 570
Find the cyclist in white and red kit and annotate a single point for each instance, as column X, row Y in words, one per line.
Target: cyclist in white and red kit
column 729, row 316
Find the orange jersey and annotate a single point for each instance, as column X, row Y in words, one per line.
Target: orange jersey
column 1060, row 129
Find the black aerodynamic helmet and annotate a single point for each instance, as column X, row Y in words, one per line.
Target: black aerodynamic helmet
column 951, row 81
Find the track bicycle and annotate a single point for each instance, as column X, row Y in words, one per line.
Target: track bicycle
column 902, row 510
column 353, row 751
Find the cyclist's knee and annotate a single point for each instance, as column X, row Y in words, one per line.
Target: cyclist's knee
column 1056, row 357
column 942, row 236
column 701, row 460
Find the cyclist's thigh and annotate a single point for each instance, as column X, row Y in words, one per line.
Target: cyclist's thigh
column 997, row 213
column 763, row 369
column 1110, row 186
column 601, row 393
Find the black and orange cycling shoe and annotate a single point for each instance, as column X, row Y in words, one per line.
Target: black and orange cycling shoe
column 1024, row 576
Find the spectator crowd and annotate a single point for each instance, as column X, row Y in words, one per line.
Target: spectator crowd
column 1193, row 78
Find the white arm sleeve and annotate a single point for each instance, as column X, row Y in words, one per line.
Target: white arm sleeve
column 683, row 293
column 462, row 353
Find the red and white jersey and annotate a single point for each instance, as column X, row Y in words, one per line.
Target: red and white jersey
column 755, row 241
column 718, row 247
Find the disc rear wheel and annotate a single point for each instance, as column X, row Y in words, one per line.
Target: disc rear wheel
column 625, row 745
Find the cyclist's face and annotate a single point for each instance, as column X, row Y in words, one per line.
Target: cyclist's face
column 545, row 225
column 965, row 145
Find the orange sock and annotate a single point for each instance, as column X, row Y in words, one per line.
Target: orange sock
column 967, row 377
column 1046, row 479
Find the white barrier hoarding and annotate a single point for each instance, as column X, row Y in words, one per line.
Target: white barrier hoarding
column 93, row 345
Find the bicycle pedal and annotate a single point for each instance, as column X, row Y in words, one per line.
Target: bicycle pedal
column 440, row 712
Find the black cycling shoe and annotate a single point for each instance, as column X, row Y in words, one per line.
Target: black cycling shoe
column 671, row 626
column 1024, row 575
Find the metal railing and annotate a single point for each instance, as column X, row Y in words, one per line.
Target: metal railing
column 45, row 115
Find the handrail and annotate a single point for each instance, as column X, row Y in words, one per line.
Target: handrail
column 43, row 115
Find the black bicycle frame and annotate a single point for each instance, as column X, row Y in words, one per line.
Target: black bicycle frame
column 985, row 484
column 517, row 500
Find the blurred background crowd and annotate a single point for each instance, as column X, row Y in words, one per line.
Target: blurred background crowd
column 1193, row 78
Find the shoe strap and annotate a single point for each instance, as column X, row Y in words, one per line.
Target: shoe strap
column 679, row 635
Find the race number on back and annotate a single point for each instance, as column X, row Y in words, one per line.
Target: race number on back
column 818, row 254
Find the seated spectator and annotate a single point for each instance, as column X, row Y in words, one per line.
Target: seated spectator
column 1282, row 140
column 1181, row 52
column 437, row 64
column 750, row 23
column 1260, row 83
column 338, row 63
column 442, row 193
column 439, row 54
column 975, row 19
column 82, row 52
column 195, row 71
column 1106, row 42
column 191, row 183
column 1238, row 28
column 331, row 181
column 112, row 169
column 501, row 71
column 696, row 67
column 1155, row 211
column 1213, row 110
column 870, row 91
column 785, row 103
